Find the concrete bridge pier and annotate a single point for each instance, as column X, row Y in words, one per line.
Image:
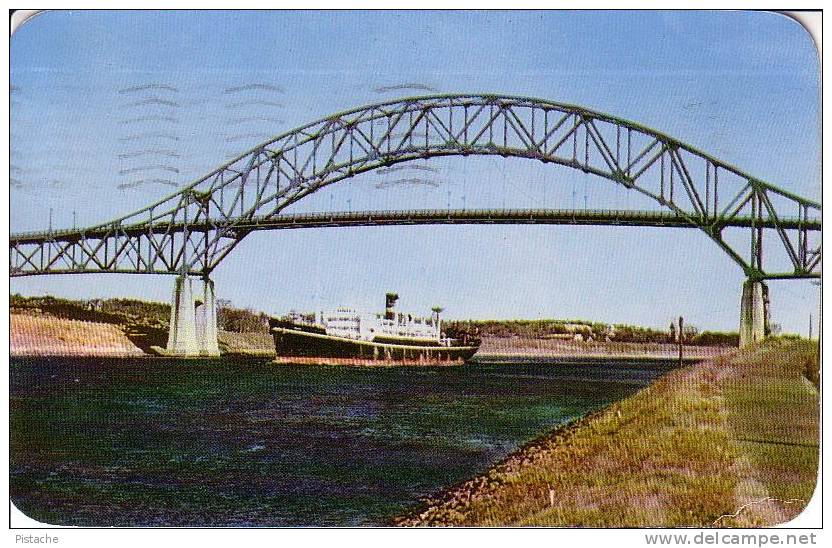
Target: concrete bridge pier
column 193, row 320
column 206, row 321
column 753, row 313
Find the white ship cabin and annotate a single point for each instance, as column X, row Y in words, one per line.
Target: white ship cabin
column 349, row 323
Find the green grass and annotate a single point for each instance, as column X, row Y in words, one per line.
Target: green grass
column 773, row 413
column 696, row 445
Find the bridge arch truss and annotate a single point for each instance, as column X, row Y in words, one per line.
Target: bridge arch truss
column 192, row 230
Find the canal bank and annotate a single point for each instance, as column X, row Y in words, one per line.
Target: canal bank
column 36, row 335
column 48, row 335
column 729, row 442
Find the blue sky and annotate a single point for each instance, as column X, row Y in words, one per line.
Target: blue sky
column 111, row 110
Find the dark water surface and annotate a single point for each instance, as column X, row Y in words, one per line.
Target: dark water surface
column 165, row 442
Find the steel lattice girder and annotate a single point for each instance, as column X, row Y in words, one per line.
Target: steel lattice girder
column 192, row 230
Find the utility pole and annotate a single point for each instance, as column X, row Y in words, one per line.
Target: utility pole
column 810, row 327
column 681, row 338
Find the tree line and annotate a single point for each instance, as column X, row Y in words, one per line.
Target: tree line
column 585, row 331
column 246, row 320
column 134, row 312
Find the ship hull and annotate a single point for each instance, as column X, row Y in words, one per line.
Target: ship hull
column 310, row 347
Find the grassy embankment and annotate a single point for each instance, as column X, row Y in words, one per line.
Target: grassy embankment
column 728, row 442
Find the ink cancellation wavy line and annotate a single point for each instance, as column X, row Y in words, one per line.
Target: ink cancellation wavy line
column 417, row 167
column 139, row 169
column 50, row 167
column 152, row 101
column 412, row 86
column 143, row 182
column 412, row 181
column 254, row 86
column 697, row 104
column 149, row 152
column 149, row 118
column 249, row 119
column 145, row 87
column 19, row 183
column 260, row 102
column 149, row 135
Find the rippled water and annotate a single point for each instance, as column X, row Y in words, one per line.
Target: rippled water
column 165, row 442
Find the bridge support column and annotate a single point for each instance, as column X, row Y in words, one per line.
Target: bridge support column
column 193, row 326
column 753, row 313
column 206, row 316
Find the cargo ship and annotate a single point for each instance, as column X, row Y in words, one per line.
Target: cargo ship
column 345, row 335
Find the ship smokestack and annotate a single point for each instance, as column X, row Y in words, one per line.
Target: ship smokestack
column 437, row 320
column 389, row 305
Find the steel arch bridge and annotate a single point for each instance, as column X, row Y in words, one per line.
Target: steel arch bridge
column 191, row 231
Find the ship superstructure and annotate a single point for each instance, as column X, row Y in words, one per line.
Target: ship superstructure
column 348, row 333
column 392, row 326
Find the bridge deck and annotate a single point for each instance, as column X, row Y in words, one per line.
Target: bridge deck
column 424, row 216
